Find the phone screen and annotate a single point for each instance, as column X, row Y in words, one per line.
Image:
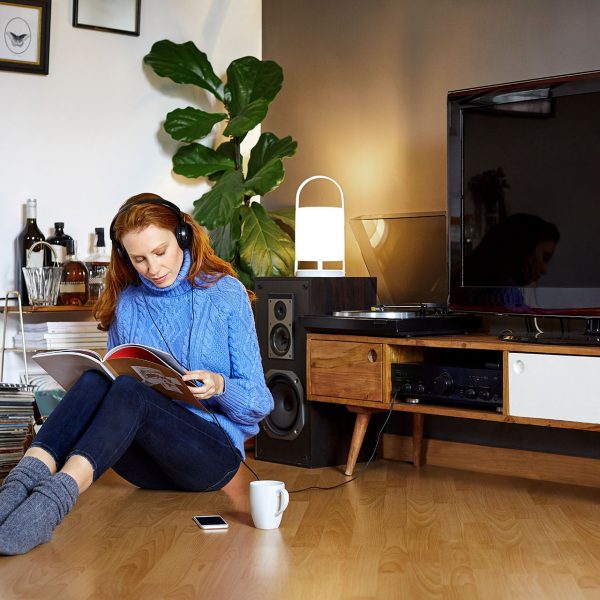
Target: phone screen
column 210, row 522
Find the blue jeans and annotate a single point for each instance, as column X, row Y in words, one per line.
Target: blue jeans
column 149, row 440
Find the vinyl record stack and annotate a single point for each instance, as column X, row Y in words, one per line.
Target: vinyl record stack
column 17, row 406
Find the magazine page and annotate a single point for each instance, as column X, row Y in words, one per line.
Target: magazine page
column 139, row 351
column 66, row 366
column 156, row 375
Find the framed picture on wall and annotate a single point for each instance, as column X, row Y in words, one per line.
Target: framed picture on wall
column 117, row 16
column 25, row 44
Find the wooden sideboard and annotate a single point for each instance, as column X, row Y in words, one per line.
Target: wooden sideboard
column 549, row 386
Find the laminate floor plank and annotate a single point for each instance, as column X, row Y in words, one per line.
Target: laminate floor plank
column 395, row 532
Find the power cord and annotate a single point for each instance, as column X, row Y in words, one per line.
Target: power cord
column 314, row 487
column 337, row 485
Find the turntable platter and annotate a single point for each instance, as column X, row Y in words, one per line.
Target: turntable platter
column 404, row 311
column 369, row 314
column 405, row 320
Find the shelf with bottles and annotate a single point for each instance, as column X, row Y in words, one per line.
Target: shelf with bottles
column 49, row 309
column 82, row 279
column 97, row 347
column 48, row 334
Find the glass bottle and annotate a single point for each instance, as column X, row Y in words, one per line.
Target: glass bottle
column 58, row 241
column 30, row 235
column 74, row 283
column 98, row 265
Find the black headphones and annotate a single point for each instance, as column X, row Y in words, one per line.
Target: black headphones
column 183, row 231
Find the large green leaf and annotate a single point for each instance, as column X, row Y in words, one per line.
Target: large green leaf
column 287, row 216
column 196, row 160
column 190, row 124
column 265, row 250
column 184, row 63
column 268, row 147
column 267, row 179
column 226, row 149
column 249, row 79
column 217, row 207
column 247, row 119
column 226, row 239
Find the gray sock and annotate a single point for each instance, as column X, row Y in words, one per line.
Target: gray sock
column 34, row 520
column 19, row 483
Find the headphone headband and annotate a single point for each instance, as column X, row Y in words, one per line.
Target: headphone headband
column 183, row 231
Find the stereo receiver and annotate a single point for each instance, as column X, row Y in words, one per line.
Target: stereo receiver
column 472, row 386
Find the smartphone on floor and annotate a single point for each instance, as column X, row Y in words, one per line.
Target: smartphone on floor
column 210, row 522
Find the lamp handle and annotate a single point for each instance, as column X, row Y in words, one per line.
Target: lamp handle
column 318, row 177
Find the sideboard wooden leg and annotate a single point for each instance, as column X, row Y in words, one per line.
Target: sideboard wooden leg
column 360, row 428
column 417, row 438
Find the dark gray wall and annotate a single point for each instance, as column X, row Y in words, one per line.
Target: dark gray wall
column 365, row 96
column 366, row 82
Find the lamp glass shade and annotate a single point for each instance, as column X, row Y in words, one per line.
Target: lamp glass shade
column 319, row 233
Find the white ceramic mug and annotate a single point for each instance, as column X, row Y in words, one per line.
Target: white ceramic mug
column 268, row 500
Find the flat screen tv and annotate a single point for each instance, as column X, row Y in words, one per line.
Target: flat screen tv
column 524, row 198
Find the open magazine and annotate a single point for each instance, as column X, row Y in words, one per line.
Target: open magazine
column 151, row 366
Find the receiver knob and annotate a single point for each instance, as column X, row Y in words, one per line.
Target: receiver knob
column 484, row 394
column 406, row 388
column 471, row 394
column 419, row 388
column 443, row 384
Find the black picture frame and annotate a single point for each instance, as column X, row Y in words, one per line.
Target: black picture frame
column 115, row 16
column 25, row 43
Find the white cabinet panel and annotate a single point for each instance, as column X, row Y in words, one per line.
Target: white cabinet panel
column 559, row 387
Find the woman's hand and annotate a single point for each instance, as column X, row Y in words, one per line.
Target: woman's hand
column 212, row 383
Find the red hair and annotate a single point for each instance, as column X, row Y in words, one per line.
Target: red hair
column 121, row 273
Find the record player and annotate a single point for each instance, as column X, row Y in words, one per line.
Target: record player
column 407, row 255
column 397, row 321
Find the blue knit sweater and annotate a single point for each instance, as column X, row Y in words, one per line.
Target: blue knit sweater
column 203, row 328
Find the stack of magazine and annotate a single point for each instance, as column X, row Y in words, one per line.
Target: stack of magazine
column 54, row 335
column 17, row 417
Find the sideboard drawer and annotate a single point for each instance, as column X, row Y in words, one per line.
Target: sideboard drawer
column 351, row 370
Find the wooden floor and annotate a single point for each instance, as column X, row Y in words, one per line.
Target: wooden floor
column 394, row 533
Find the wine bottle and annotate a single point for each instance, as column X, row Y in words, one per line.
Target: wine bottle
column 58, row 241
column 98, row 265
column 74, row 283
column 30, row 235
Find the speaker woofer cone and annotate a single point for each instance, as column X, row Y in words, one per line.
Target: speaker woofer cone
column 286, row 420
column 280, row 340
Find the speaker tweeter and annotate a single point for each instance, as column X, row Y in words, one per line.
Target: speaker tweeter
column 280, row 323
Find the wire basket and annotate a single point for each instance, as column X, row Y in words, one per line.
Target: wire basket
column 42, row 283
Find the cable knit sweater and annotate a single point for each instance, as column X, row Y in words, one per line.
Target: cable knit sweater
column 203, row 328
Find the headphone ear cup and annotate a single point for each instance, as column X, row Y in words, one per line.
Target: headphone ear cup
column 183, row 233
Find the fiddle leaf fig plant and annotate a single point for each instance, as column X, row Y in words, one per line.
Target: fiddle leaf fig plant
column 255, row 241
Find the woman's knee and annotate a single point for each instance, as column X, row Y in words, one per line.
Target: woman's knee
column 128, row 393
column 93, row 378
column 129, row 389
column 125, row 383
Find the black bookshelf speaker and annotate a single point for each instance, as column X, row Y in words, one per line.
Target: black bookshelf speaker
column 299, row 432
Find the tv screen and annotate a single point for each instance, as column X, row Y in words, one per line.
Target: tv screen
column 524, row 197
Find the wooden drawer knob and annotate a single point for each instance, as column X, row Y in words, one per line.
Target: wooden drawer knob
column 372, row 356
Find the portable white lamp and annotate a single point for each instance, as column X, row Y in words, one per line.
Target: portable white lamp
column 319, row 235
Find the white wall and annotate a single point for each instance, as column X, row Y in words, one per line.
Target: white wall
column 88, row 135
